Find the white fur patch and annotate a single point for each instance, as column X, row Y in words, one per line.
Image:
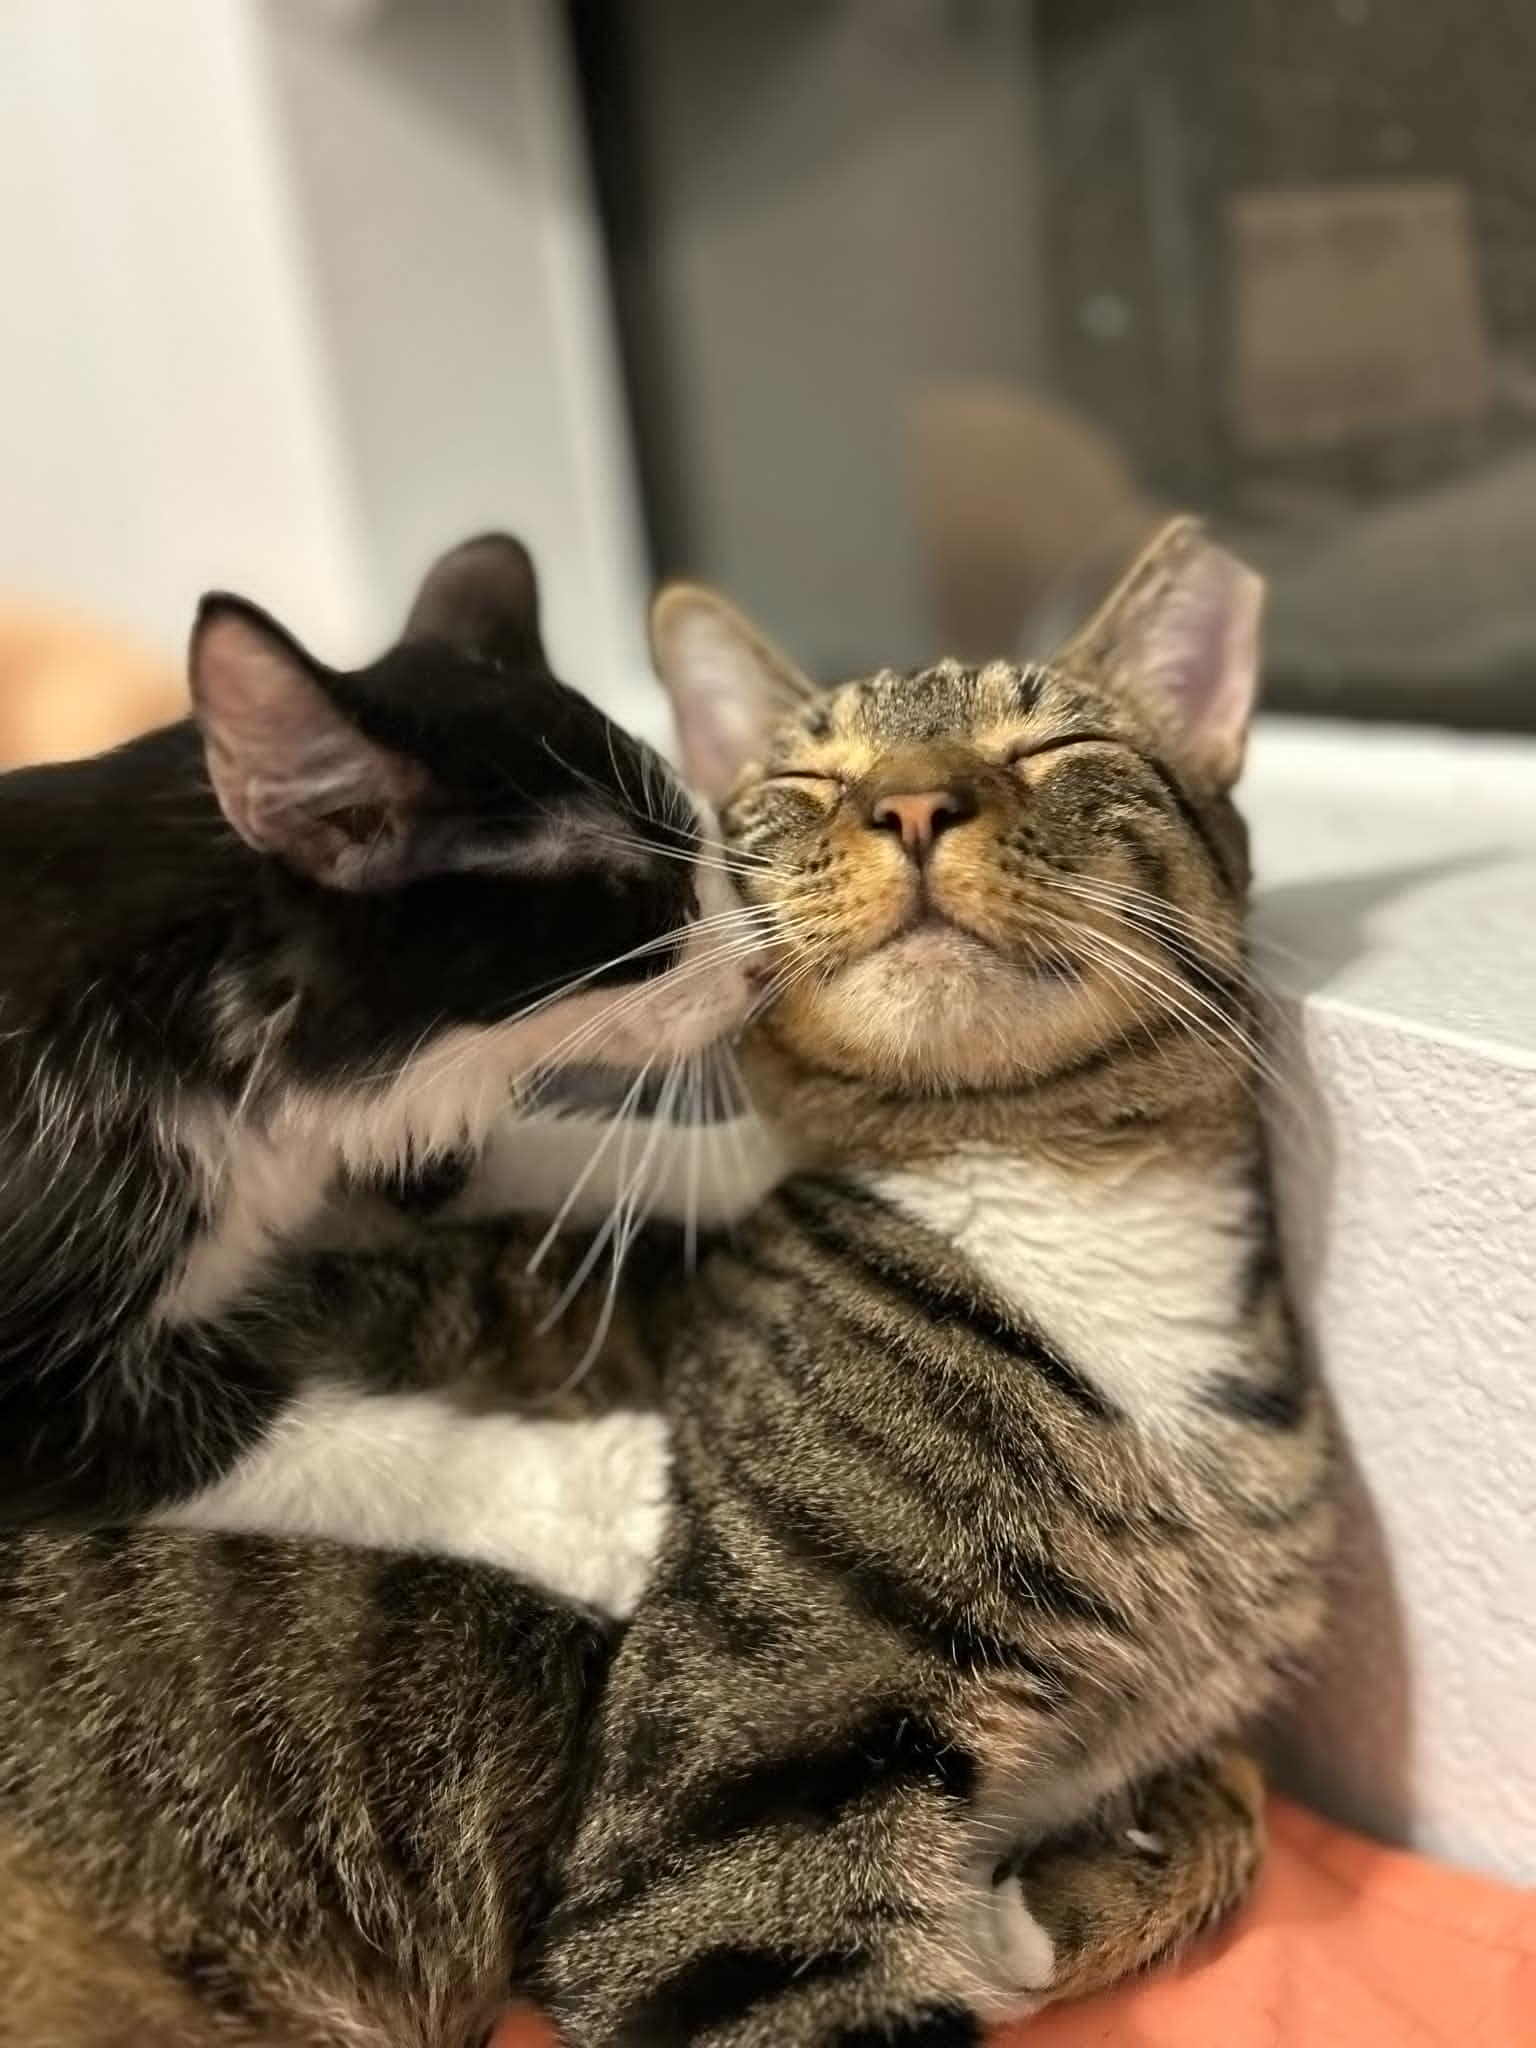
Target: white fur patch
column 1133, row 1274
column 997, row 1935
column 1148, row 1845
column 578, row 1507
column 266, row 1183
column 581, row 1165
column 265, row 1187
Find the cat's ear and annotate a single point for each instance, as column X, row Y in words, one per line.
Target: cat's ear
column 1184, row 623
column 293, row 774
column 728, row 683
column 482, row 598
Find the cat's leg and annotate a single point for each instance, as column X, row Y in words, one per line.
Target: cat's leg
column 254, row 1790
column 820, row 1901
column 884, row 1930
column 1127, row 1890
column 1133, row 1887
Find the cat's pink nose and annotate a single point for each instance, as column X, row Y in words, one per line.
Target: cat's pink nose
column 920, row 815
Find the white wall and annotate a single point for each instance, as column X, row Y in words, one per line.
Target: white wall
column 164, row 419
column 437, row 168
column 1397, row 924
column 289, row 306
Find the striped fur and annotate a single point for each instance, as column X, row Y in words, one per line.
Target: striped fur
column 260, row 1790
column 989, row 1534
column 1002, row 1488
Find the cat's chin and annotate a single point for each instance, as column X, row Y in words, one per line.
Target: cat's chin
column 940, row 947
column 936, row 1004
column 936, row 946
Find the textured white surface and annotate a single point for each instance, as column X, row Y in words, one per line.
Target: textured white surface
column 1398, row 874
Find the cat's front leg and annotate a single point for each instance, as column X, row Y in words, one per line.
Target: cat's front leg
column 885, row 1927
column 751, row 1919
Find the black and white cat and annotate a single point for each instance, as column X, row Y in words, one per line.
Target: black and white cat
column 317, row 931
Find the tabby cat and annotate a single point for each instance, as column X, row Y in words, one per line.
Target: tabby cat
column 999, row 1489
column 1001, row 1485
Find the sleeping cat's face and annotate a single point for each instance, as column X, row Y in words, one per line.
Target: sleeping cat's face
column 982, row 876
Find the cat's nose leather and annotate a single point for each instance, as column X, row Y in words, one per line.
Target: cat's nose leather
column 920, row 815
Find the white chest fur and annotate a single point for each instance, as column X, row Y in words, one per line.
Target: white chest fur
column 1134, row 1274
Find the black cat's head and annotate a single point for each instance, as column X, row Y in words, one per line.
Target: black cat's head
column 472, row 869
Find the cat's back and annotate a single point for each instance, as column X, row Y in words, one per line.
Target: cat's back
column 108, row 867
column 85, row 825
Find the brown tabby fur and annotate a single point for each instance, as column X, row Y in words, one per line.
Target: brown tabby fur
column 939, row 1633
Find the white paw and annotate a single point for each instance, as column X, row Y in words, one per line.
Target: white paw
column 578, row 1507
column 1014, row 1953
column 621, row 1577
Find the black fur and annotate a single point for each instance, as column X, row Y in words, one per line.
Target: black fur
column 163, row 965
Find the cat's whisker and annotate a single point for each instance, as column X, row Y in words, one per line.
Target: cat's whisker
column 695, row 1147
column 628, row 1214
column 1140, row 906
column 1282, row 1092
column 1117, row 964
column 1187, row 961
column 667, row 814
column 405, row 1078
column 625, row 1123
column 1237, row 1048
column 618, row 774
column 729, row 864
column 632, row 1095
column 739, row 917
column 1137, row 906
column 729, row 952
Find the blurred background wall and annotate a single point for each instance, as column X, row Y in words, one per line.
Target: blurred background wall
column 901, row 318
column 296, row 294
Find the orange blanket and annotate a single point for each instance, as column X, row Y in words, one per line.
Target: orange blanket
column 1345, row 1946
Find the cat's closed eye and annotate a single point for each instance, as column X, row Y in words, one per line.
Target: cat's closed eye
column 817, row 780
column 1031, row 750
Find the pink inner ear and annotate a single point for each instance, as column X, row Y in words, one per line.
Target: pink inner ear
column 285, row 764
column 1201, row 645
column 717, row 692
column 716, row 733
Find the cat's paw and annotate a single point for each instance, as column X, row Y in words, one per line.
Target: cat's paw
column 1120, row 1895
column 1010, row 1949
column 580, row 1508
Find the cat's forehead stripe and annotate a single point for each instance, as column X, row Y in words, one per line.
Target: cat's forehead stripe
column 928, row 704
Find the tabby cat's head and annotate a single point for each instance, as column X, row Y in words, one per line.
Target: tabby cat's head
column 982, row 877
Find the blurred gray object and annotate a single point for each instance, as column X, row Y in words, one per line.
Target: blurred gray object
column 817, row 209
column 1379, row 155
column 928, row 308
column 336, row 17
